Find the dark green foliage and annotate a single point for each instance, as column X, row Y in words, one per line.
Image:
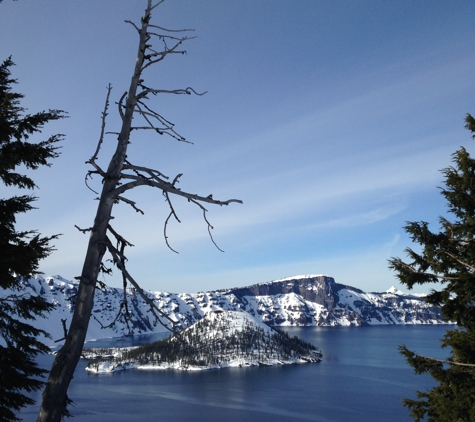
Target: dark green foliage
column 293, row 345
column 448, row 258
column 20, row 251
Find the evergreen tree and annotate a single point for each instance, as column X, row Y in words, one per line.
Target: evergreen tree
column 20, row 251
column 447, row 257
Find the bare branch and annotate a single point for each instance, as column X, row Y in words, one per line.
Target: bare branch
column 133, row 24
column 118, row 315
column 160, row 131
column 170, row 30
column 144, row 115
column 103, row 125
column 120, row 239
column 154, row 113
column 92, row 160
column 153, row 307
column 168, row 187
column 168, row 126
column 210, row 227
column 98, row 169
column 131, row 203
column 171, row 206
column 121, row 106
column 89, row 175
column 187, row 91
column 137, row 169
column 65, row 331
column 175, row 180
column 154, row 6
column 83, row 230
column 165, row 231
column 163, row 54
column 121, row 244
column 172, row 212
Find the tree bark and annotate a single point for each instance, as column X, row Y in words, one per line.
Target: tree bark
column 55, row 394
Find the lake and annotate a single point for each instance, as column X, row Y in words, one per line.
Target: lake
column 362, row 378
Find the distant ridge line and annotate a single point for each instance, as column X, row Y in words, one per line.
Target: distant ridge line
column 309, row 300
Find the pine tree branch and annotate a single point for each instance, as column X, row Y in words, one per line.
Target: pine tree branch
column 471, row 267
column 409, row 267
column 448, row 362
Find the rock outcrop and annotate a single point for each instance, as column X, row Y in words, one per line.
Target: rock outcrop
column 310, row 300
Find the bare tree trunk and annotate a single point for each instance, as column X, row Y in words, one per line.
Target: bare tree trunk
column 55, row 397
column 55, row 394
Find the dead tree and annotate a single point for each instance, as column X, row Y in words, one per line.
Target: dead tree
column 120, row 177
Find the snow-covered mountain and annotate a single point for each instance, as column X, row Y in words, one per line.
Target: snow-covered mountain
column 310, row 300
column 219, row 339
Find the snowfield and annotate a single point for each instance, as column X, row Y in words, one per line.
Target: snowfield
column 307, row 300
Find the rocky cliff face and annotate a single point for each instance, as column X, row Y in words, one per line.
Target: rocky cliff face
column 318, row 300
column 313, row 300
column 319, row 289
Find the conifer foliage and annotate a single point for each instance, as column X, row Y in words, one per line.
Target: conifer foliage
column 20, row 251
column 447, row 257
column 219, row 339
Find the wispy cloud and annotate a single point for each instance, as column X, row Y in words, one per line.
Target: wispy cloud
column 356, row 219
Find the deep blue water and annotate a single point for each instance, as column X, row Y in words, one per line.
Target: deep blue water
column 362, row 378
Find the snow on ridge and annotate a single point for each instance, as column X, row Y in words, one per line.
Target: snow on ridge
column 395, row 291
column 239, row 318
column 296, row 277
column 306, row 307
column 419, row 295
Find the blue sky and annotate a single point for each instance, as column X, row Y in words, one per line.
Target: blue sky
column 329, row 119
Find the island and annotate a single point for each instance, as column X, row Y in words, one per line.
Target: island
column 220, row 339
